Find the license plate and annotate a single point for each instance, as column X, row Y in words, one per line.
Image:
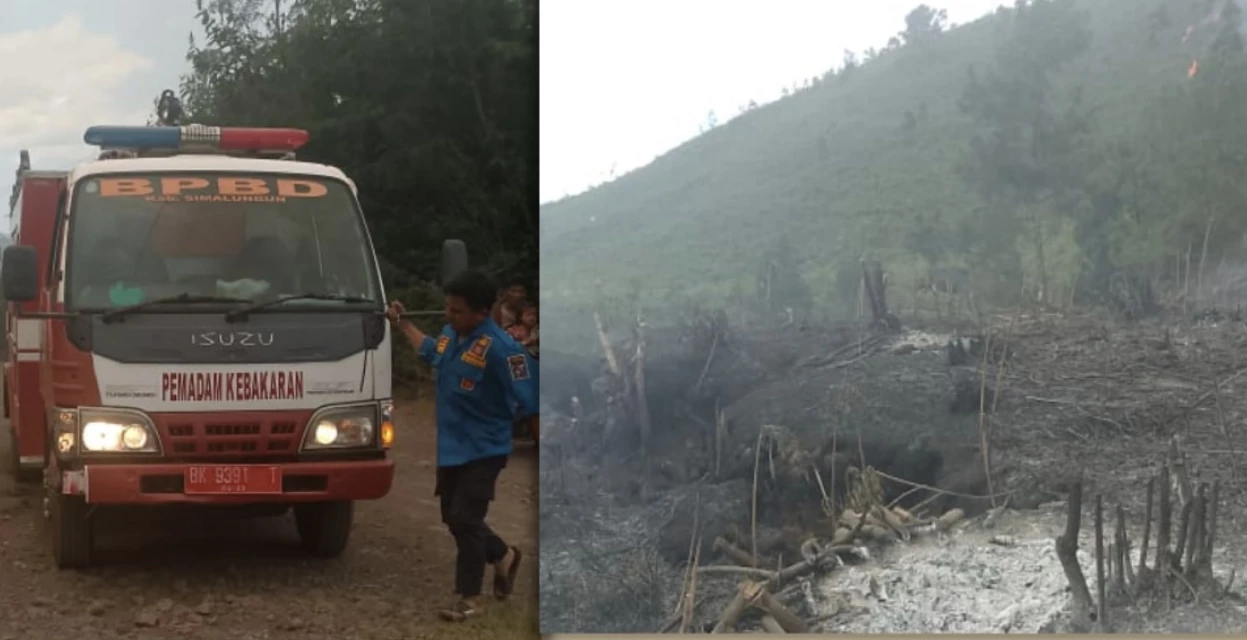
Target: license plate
column 233, row 479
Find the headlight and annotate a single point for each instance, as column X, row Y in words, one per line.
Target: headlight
column 105, row 431
column 342, row 428
column 387, row 424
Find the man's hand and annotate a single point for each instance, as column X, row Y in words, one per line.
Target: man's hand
column 395, row 311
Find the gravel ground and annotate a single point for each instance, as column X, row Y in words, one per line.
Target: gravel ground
column 165, row 575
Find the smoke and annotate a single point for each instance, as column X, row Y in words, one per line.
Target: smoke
column 1242, row 18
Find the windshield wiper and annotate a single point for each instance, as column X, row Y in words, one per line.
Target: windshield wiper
column 121, row 312
column 242, row 313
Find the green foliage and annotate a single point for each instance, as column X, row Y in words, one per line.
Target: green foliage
column 922, row 23
column 428, row 106
column 1053, row 142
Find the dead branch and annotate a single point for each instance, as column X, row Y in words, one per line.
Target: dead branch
column 1179, row 550
column 674, row 619
column 771, row 626
column 1162, row 533
column 692, row 593
column 738, row 555
column 1147, row 527
column 731, row 613
column 694, row 551
column 714, row 344
column 753, row 572
column 720, row 429
column 950, row 518
column 808, row 565
column 1121, row 562
column 695, row 544
column 1177, row 460
column 1212, row 526
column 612, row 361
column 1216, row 387
column 642, row 404
column 1102, row 603
column 1067, row 552
column 787, row 620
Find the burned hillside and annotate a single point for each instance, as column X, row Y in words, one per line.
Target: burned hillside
column 780, row 475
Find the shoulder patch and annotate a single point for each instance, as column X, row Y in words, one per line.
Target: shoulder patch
column 442, row 343
column 518, row 364
column 475, row 355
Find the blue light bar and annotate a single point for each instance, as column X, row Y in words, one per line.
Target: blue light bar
column 120, row 137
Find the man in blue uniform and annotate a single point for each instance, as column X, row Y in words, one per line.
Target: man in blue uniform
column 485, row 381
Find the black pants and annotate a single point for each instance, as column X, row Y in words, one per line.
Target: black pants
column 466, row 491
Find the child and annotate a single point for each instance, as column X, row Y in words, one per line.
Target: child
column 532, row 337
column 519, row 330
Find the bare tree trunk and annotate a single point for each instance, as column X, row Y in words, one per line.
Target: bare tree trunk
column 1067, row 552
column 611, row 361
column 1041, row 257
column 1186, row 284
column 1100, row 582
column 642, row 404
column 1203, row 256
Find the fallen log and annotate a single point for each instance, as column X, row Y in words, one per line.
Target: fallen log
column 786, row 619
column 731, row 613
column 740, row 556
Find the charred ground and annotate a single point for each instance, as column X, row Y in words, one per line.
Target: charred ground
column 1078, row 396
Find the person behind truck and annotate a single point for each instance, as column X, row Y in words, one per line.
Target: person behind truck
column 261, row 270
column 485, row 381
column 531, row 339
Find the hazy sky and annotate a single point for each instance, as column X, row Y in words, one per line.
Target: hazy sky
column 623, row 81
column 68, row 64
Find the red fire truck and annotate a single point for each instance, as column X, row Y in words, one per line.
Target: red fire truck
column 197, row 318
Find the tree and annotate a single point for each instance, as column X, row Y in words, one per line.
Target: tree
column 923, row 22
column 429, row 106
column 1022, row 147
column 711, row 122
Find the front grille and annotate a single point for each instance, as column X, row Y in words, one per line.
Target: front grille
column 243, row 436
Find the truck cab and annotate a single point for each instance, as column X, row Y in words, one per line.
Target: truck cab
column 196, row 318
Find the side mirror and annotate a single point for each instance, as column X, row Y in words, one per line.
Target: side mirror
column 19, row 273
column 454, row 260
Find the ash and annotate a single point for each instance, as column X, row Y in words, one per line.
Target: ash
column 1004, row 578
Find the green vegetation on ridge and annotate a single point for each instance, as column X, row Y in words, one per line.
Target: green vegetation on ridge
column 1055, row 141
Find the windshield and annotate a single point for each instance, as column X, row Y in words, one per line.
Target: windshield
column 255, row 237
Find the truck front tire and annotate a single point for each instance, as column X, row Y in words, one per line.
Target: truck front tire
column 325, row 527
column 72, row 536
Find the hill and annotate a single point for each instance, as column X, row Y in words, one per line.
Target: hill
column 885, row 159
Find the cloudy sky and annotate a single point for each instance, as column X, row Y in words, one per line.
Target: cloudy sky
column 623, row 81
column 68, row 64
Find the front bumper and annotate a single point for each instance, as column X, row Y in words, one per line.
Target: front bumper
column 165, row 483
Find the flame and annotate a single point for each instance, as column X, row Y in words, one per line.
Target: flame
column 1193, row 69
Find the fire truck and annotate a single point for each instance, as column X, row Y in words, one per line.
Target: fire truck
column 197, row 318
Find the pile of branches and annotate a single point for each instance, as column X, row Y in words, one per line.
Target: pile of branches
column 775, row 594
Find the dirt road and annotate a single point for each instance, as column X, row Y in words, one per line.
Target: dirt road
column 198, row 576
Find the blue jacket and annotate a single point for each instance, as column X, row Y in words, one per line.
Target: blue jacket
column 484, row 382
